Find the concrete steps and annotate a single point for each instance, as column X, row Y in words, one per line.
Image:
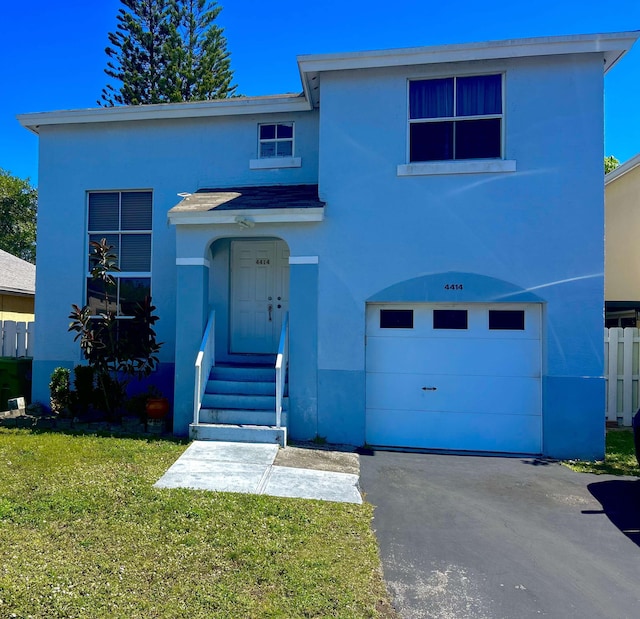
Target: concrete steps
column 239, row 406
column 238, row 433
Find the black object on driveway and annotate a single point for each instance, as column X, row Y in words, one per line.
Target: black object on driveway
column 469, row 537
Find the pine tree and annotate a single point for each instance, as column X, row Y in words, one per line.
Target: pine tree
column 200, row 63
column 167, row 51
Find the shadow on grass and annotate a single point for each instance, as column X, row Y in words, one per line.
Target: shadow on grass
column 620, row 500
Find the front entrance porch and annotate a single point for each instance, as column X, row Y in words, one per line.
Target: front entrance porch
column 243, row 358
column 236, row 284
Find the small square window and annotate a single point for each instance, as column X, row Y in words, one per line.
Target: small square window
column 450, row 319
column 275, row 140
column 506, row 320
column 396, row 319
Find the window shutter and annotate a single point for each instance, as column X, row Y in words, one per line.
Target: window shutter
column 135, row 252
column 136, row 210
column 103, row 211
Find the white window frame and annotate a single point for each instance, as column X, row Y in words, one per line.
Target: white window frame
column 276, row 140
column 266, row 163
column 456, row 166
column 105, row 233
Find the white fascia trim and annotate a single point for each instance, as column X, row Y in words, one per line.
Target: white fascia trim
column 220, row 107
column 457, row 167
column 622, row 169
column 255, row 216
column 613, row 45
column 303, row 259
column 193, row 262
column 275, row 162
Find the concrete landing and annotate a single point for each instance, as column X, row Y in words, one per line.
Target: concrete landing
column 249, row 468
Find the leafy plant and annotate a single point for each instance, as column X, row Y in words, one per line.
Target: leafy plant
column 115, row 348
column 60, row 391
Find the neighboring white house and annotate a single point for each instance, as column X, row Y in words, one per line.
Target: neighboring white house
column 430, row 218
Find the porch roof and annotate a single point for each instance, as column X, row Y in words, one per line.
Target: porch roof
column 248, row 205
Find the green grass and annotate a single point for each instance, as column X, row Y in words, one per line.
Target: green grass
column 619, row 458
column 84, row 534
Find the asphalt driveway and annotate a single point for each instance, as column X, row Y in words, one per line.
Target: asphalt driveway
column 504, row 538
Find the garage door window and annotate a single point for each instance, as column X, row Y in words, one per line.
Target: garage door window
column 450, row 319
column 396, row 319
column 506, row 320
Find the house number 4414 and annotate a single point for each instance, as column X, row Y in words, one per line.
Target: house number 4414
column 453, row 287
column 262, row 261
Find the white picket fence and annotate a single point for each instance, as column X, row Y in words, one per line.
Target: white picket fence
column 16, row 338
column 622, row 373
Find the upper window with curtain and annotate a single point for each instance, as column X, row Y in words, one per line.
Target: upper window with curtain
column 455, row 118
column 123, row 218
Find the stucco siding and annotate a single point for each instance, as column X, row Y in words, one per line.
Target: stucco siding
column 167, row 157
column 530, row 235
column 622, row 278
column 539, row 228
column 18, row 308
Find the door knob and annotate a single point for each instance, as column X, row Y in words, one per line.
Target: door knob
column 270, row 310
column 424, row 388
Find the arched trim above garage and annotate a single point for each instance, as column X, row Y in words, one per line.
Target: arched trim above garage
column 455, row 287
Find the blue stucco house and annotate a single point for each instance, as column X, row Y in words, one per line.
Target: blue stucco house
column 419, row 232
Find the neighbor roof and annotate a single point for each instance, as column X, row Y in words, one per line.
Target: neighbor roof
column 622, row 169
column 17, row 276
column 612, row 45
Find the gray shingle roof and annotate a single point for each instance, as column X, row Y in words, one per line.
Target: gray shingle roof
column 240, row 198
column 16, row 275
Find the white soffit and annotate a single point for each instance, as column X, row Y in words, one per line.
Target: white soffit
column 612, row 45
column 221, row 107
column 247, row 218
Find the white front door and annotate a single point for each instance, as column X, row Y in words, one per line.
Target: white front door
column 259, row 294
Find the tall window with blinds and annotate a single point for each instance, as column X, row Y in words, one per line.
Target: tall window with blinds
column 124, row 219
column 455, row 118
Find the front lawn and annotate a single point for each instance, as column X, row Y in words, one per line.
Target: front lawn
column 84, row 534
column 619, row 457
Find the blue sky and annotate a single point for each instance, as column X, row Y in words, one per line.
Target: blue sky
column 53, row 52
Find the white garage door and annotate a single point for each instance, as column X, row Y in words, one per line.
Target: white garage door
column 455, row 376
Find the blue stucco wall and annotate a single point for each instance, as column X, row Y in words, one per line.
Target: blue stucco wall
column 167, row 157
column 538, row 230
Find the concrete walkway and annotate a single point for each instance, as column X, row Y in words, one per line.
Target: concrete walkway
column 251, row 468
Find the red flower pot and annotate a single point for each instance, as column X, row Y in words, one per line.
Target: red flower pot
column 157, row 408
